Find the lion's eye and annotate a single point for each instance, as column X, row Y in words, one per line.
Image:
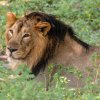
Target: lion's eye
column 26, row 38
column 26, row 35
column 10, row 33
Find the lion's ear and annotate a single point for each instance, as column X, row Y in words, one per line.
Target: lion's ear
column 11, row 19
column 44, row 27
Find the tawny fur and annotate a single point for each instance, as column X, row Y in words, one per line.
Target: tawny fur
column 41, row 40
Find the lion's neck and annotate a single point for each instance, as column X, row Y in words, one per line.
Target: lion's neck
column 36, row 53
column 40, row 54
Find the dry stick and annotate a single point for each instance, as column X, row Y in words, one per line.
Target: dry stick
column 53, row 71
column 96, row 76
column 3, row 58
column 47, row 78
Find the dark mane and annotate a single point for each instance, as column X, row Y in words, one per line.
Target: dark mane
column 56, row 34
column 59, row 29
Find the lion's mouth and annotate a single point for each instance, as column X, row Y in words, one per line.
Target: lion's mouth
column 14, row 56
column 19, row 54
column 11, row 56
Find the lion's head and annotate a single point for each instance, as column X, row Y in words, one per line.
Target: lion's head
column 25, row 34
column 33, row 38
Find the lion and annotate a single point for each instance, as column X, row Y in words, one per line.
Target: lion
column 38, row 40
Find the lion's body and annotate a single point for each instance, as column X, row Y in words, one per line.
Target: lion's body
column 76, row 56
column 39, row 40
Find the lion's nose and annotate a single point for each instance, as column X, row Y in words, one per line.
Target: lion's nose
column 12, row 49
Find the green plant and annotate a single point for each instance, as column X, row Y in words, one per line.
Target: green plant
column 83, row 16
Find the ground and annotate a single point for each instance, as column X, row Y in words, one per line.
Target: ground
column 83, row 16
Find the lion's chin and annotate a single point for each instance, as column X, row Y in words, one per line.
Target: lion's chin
column 13, row 63
column 18, row 57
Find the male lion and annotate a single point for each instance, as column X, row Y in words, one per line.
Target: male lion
column 39, row 39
